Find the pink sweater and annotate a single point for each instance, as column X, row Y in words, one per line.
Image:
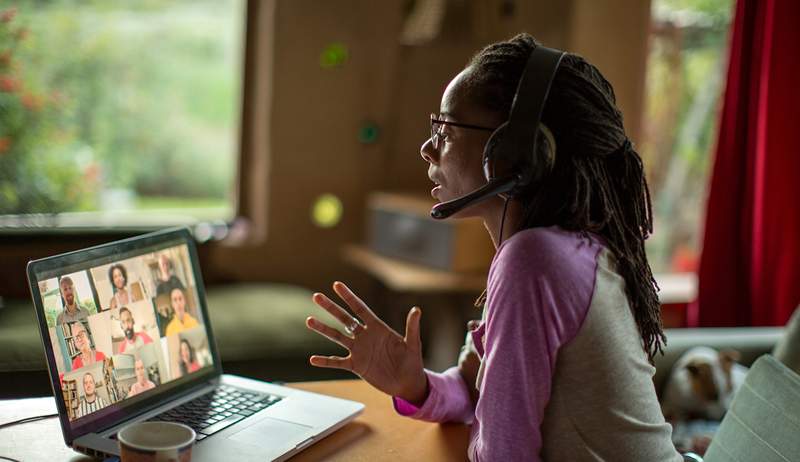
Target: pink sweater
column 540, row 288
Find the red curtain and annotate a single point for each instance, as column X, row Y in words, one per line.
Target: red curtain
column 750, row 265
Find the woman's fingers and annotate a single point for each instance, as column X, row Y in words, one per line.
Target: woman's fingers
column 412, row 329
column 333, row 308
column 356, row 304
column 333, row 362
column 329, row 332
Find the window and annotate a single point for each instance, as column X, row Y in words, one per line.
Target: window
column 685, row 79
column 122, row 113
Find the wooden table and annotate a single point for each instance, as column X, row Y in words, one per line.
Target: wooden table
column 377, row 434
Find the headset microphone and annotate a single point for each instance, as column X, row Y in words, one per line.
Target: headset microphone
column 490, row 189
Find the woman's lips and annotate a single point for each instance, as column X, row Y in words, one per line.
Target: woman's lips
column 436, row 190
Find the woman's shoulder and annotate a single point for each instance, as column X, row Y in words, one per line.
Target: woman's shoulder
column 548, row 251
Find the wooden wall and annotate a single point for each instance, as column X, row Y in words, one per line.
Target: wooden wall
column 301, row 121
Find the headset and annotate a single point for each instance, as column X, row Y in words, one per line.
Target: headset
column 509, row 169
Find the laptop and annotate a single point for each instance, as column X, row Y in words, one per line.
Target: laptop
column 128, row 338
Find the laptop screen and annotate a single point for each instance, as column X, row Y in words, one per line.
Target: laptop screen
column 124, row 327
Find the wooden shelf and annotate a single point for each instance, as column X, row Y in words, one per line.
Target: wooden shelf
column 402, row 276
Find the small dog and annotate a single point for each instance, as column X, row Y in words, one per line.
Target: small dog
column 702, row 384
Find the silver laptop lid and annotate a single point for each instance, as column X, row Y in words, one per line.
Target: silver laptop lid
column 124, row 326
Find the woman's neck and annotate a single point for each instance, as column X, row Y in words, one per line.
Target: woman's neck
column 493, row 220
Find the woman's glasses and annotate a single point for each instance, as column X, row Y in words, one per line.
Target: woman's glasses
column 437, row 125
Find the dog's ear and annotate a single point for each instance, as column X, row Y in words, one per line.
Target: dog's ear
column 727, row 358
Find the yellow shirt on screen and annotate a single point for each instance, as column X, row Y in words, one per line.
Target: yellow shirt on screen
column 176, row 326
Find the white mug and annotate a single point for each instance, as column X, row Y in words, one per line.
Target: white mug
column 156, row 442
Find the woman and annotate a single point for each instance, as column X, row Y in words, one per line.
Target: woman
column 561, row 363
column 188, row 362
column 181, row 319
column 118, row 276
column 142, row 383
column 86, row 354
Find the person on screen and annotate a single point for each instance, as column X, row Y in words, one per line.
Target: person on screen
column 188, row 360
column 87, row 355
column 142, row 382
column 132, row 339
column 118, row 277
column 91, row 401
column 181, row 320
column 166, row 276
column 73, row 311
column 165, row 315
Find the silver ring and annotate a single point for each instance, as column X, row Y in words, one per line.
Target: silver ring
column 351, row 328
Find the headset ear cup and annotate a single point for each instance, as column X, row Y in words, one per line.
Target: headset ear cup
column 493, row 153
column 544, row 154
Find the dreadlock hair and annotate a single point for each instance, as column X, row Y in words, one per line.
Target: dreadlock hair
column 596, row 181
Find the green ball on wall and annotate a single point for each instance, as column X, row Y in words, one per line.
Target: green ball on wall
column 334, row 55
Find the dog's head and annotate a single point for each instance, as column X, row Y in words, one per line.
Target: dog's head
column 709, row 379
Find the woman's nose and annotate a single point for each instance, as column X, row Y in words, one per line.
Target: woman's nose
column 427, row 152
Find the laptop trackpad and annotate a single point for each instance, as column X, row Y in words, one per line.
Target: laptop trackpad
column 269, row 432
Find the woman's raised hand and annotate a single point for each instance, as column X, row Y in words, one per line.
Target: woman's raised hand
column 378, row 354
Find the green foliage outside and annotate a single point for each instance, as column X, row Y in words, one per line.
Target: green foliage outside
column 685, row 81
column 140, row 97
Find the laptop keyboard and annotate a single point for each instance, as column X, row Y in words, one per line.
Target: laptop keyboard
column 217, row 409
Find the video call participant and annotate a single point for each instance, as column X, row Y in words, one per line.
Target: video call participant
column 132, row 339
column 181, row 320
column 88, row 355
column 91, row 401
column 142, row 382
column 118, row 277
column 166, row 277
column 188, row 361
column 73, row 311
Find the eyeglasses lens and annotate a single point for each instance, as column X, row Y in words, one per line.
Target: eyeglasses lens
column 435, row 128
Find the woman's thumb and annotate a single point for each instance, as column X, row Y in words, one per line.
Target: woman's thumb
column 412, row 327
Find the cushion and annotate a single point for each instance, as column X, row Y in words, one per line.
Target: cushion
column 787, row 350
column 20, row 343
column 763, row 423
column 262, row 321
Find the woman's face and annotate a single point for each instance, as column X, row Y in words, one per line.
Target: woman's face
column 185, row 352
column 119, row 279
column 81, row 338
column 456, row 166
